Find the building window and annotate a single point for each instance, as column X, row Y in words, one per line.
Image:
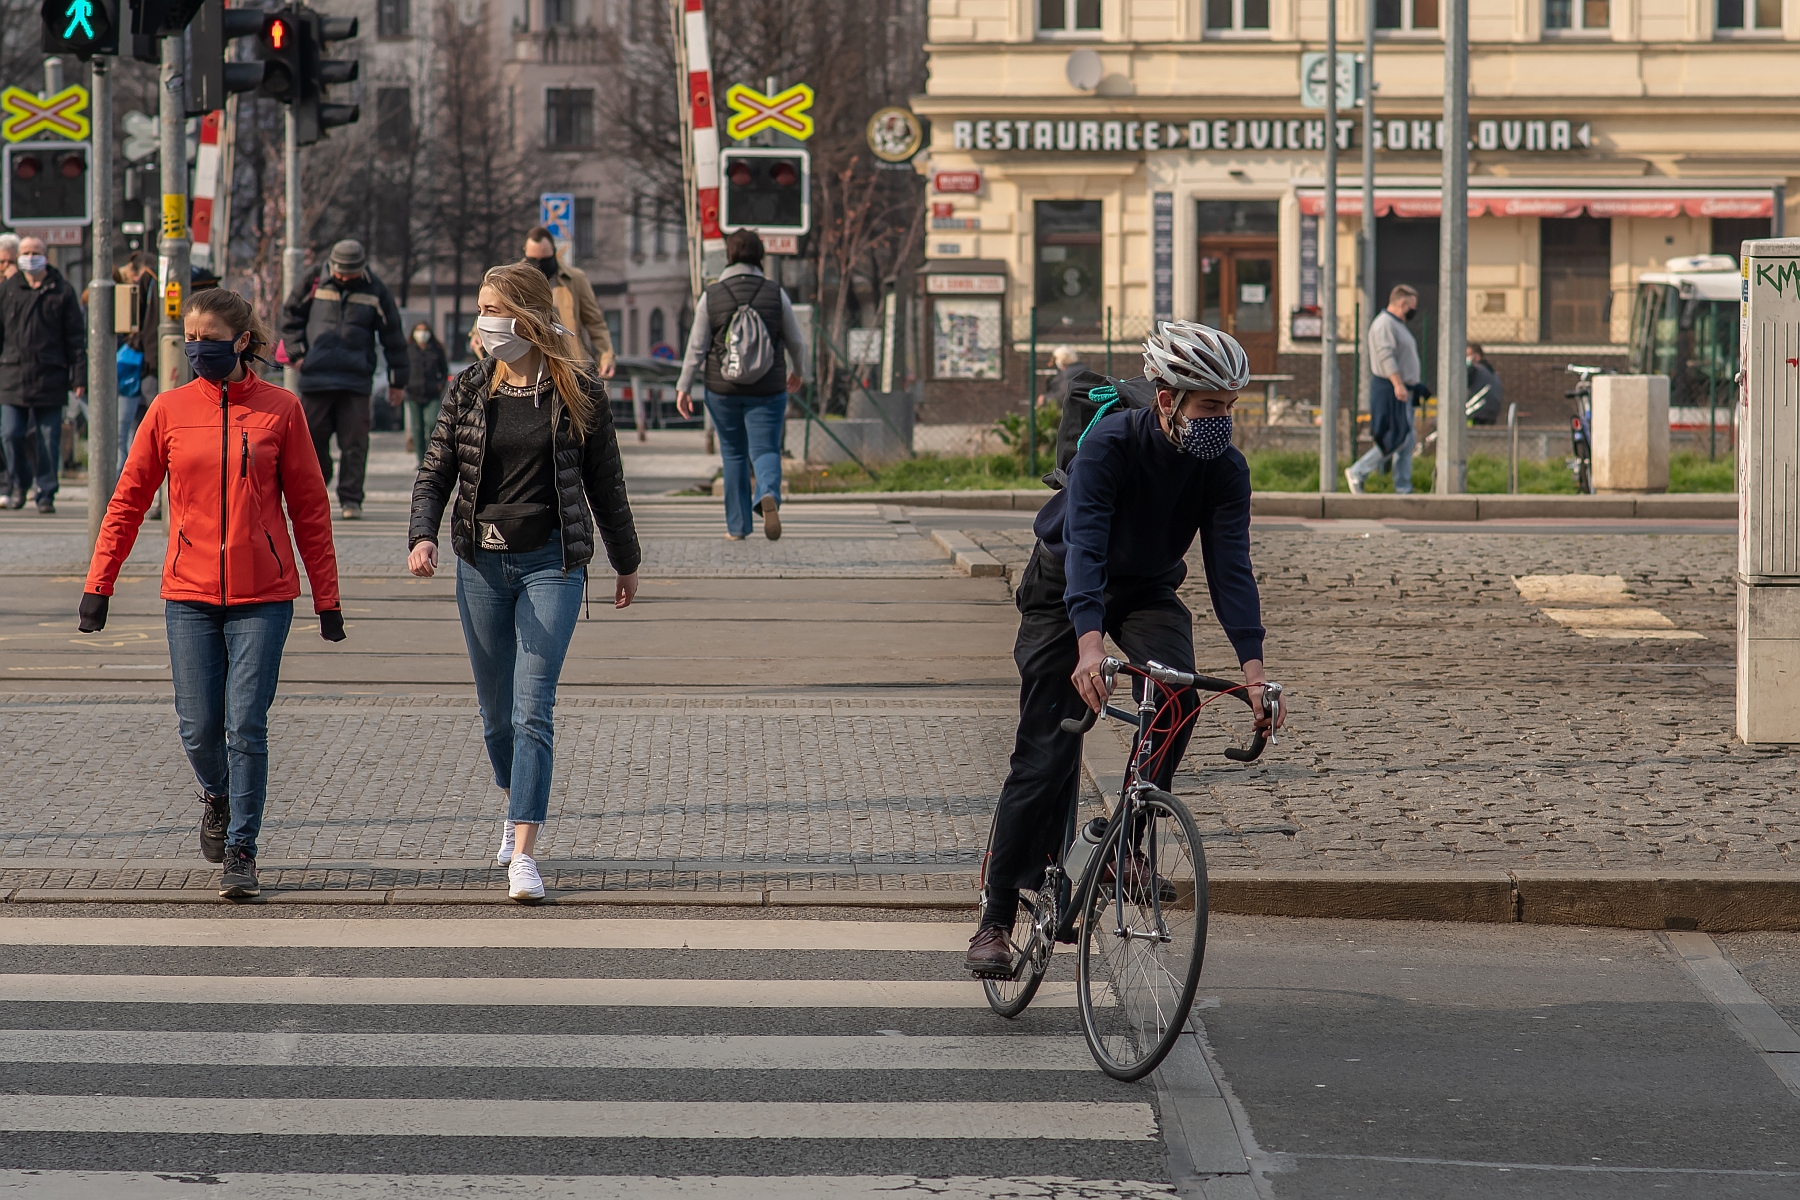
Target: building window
column 1577, row 16
column 559, row 14
column 637, row 227
column 1068, row 18
column 1404, row 16
column 633, row 348
column 657, row 329
column 660, row 225
column 1067, row 291
column 1736, row 18
column 615, row 329
column 1575, row 270
column 584, row 227
column 568, row 118
column 393, row 18
column 1730, row 233
column 393, row 119
column 1237, row 16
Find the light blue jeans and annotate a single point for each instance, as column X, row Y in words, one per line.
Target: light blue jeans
column 518, row 614
column 750, row 430
column 1373, row 460
column 226, row 662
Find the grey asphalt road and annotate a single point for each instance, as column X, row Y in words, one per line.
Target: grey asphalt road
column 1357, row 1059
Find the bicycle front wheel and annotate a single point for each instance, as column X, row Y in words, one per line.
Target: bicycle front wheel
column 1009, row 997
column 1142, row 941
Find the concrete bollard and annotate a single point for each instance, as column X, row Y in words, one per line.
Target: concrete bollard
column 1631, row 433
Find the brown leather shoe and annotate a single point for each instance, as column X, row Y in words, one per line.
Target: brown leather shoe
column 991, row 953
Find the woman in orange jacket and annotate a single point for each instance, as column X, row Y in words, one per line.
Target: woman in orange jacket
column 233, row 448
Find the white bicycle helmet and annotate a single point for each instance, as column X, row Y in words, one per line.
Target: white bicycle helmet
column 1189, row 356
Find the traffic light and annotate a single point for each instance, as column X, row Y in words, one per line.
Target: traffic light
column 278, row 46
column 315, row 114
column 209, row 77
column 46, row 183
column 154, row 19
column 83, row 28
column 766, row 190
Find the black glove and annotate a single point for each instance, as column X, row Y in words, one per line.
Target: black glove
column 331, row 624
column 93, row 612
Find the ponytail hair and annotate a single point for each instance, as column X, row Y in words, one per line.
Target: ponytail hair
column 237, row 314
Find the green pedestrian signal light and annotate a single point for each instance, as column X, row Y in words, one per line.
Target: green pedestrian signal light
column 83, row 28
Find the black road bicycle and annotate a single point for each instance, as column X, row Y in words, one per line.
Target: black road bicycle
column 1130, row 891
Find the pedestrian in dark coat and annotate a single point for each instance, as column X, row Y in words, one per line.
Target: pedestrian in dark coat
column 427, row 371
column 43, row 357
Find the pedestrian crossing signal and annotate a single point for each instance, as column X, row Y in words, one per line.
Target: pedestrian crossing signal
column 279, row 49
column 83, row 28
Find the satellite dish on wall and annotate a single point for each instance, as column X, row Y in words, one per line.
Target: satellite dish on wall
column 1084, row 69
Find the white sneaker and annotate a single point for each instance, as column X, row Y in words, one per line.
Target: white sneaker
column 506, row 844
column 523, row 875
column 1356, row 485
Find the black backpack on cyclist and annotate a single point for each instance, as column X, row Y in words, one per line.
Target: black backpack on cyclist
column 1090, row 396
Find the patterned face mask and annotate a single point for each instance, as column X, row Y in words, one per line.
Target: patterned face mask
column 1206, row 438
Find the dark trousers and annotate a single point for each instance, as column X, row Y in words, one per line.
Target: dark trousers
column 346, row 414
column 32, row 435
column 1146, row 620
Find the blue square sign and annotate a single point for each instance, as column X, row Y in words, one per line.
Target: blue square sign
column 556, row 212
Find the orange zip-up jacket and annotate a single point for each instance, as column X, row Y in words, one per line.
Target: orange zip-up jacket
column 230, row 466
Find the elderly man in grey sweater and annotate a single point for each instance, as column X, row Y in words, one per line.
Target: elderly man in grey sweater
column 1394, row 365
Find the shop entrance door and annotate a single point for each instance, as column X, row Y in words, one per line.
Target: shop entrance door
column 1237, row 294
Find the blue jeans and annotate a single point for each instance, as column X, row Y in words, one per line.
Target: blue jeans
column 226, row 663
column 518, row 614
column 750, row 430
column 24, row 430
column 1373, row 460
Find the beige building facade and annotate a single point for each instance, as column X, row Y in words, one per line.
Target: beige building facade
column 1108, row 163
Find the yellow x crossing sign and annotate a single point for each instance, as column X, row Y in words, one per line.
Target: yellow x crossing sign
column 28, row 116
column 784, row 112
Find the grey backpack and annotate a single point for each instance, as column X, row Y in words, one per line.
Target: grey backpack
column 748, row 352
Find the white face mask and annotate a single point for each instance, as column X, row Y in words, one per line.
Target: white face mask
column 421, row 337
column 499, row 340
column 33, row 263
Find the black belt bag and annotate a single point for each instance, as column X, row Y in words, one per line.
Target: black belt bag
column 514, row 528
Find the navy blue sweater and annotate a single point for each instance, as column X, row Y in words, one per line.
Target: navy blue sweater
column 1131, row 509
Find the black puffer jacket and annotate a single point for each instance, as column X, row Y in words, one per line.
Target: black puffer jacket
column 588, row 473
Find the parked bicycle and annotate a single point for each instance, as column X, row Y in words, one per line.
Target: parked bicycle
column 1130, row 890
column 1581, row 426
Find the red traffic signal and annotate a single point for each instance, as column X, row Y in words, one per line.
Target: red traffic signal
column 26, row 166
column 276, row 33
column 278, row 46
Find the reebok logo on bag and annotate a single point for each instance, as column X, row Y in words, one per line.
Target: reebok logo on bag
column 748, row 352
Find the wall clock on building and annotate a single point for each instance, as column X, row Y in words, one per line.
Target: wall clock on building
column 894, row 134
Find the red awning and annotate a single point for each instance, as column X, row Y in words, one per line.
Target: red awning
column 1624, row 202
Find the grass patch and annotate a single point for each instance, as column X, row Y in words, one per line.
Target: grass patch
column 926, row 473
column 1696, row 473
column 1295, row 471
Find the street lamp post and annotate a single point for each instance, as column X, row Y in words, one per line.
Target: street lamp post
column 1453, row 257
column 1328, row 324
column 103, row 372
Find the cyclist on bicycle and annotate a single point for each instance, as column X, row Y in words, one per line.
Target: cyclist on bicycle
column 1111, row 552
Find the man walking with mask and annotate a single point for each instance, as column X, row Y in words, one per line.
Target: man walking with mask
column 575, row 302
column 43, row 356
column 330, row 327
column 1394, row 361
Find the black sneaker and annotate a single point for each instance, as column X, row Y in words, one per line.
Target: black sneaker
column 239, row 879
column 46, row 506
column 215, row 816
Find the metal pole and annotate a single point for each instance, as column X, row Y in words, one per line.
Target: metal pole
column 1453, row 257
column 1108, row 336
column 1371, row 303
column 1328, row 321
column 1031, row 463
column 103, row 374
column 172, row 250
column 292, row 257
column 1512, row 465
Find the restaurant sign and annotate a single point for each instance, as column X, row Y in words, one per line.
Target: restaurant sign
column 1408, row 133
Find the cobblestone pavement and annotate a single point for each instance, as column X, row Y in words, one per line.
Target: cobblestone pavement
column 1438, row 720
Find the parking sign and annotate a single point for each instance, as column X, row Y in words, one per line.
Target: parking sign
column 556, row 212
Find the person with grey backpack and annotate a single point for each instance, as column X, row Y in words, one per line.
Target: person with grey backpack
column 743, row 338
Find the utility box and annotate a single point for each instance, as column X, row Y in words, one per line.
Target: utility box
column 1768, row 647
column 1631, row 433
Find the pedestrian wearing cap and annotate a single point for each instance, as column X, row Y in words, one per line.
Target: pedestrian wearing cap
column 330, row 327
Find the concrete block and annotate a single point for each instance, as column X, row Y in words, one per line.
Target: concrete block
column 1493, row 508
column 1422, row 507
column 945, row 901
column 970, row 559
column 1631, row 433
column 1687, row 507
column 1722, row 903
column 1371, row 895
column 1768, row 664
column 663, row 899
column 1287, row 504
column 117, row 896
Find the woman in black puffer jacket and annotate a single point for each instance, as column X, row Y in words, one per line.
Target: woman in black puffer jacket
column 526, row 441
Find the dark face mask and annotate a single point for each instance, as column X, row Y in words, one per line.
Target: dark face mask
column 214, row 361
column 547, row 265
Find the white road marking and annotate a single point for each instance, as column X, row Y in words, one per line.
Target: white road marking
column 599, row 934
column 290, row 1117
column 635, row 1052
column 627, row 993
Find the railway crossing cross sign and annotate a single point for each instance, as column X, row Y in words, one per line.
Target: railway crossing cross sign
column 59, row 115
column 784, row 112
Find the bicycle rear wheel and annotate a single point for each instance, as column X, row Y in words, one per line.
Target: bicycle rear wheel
column 1009, row 997
column 1136, row 978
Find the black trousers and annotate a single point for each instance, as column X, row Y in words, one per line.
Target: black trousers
column 346, row 414
column 1146, row 620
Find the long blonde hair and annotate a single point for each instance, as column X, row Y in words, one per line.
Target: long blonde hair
column 525, row 295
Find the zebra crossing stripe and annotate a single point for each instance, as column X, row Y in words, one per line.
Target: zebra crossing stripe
column 302, row 1117
column 626, row 993
column 581, row 1051
column 467, row 933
